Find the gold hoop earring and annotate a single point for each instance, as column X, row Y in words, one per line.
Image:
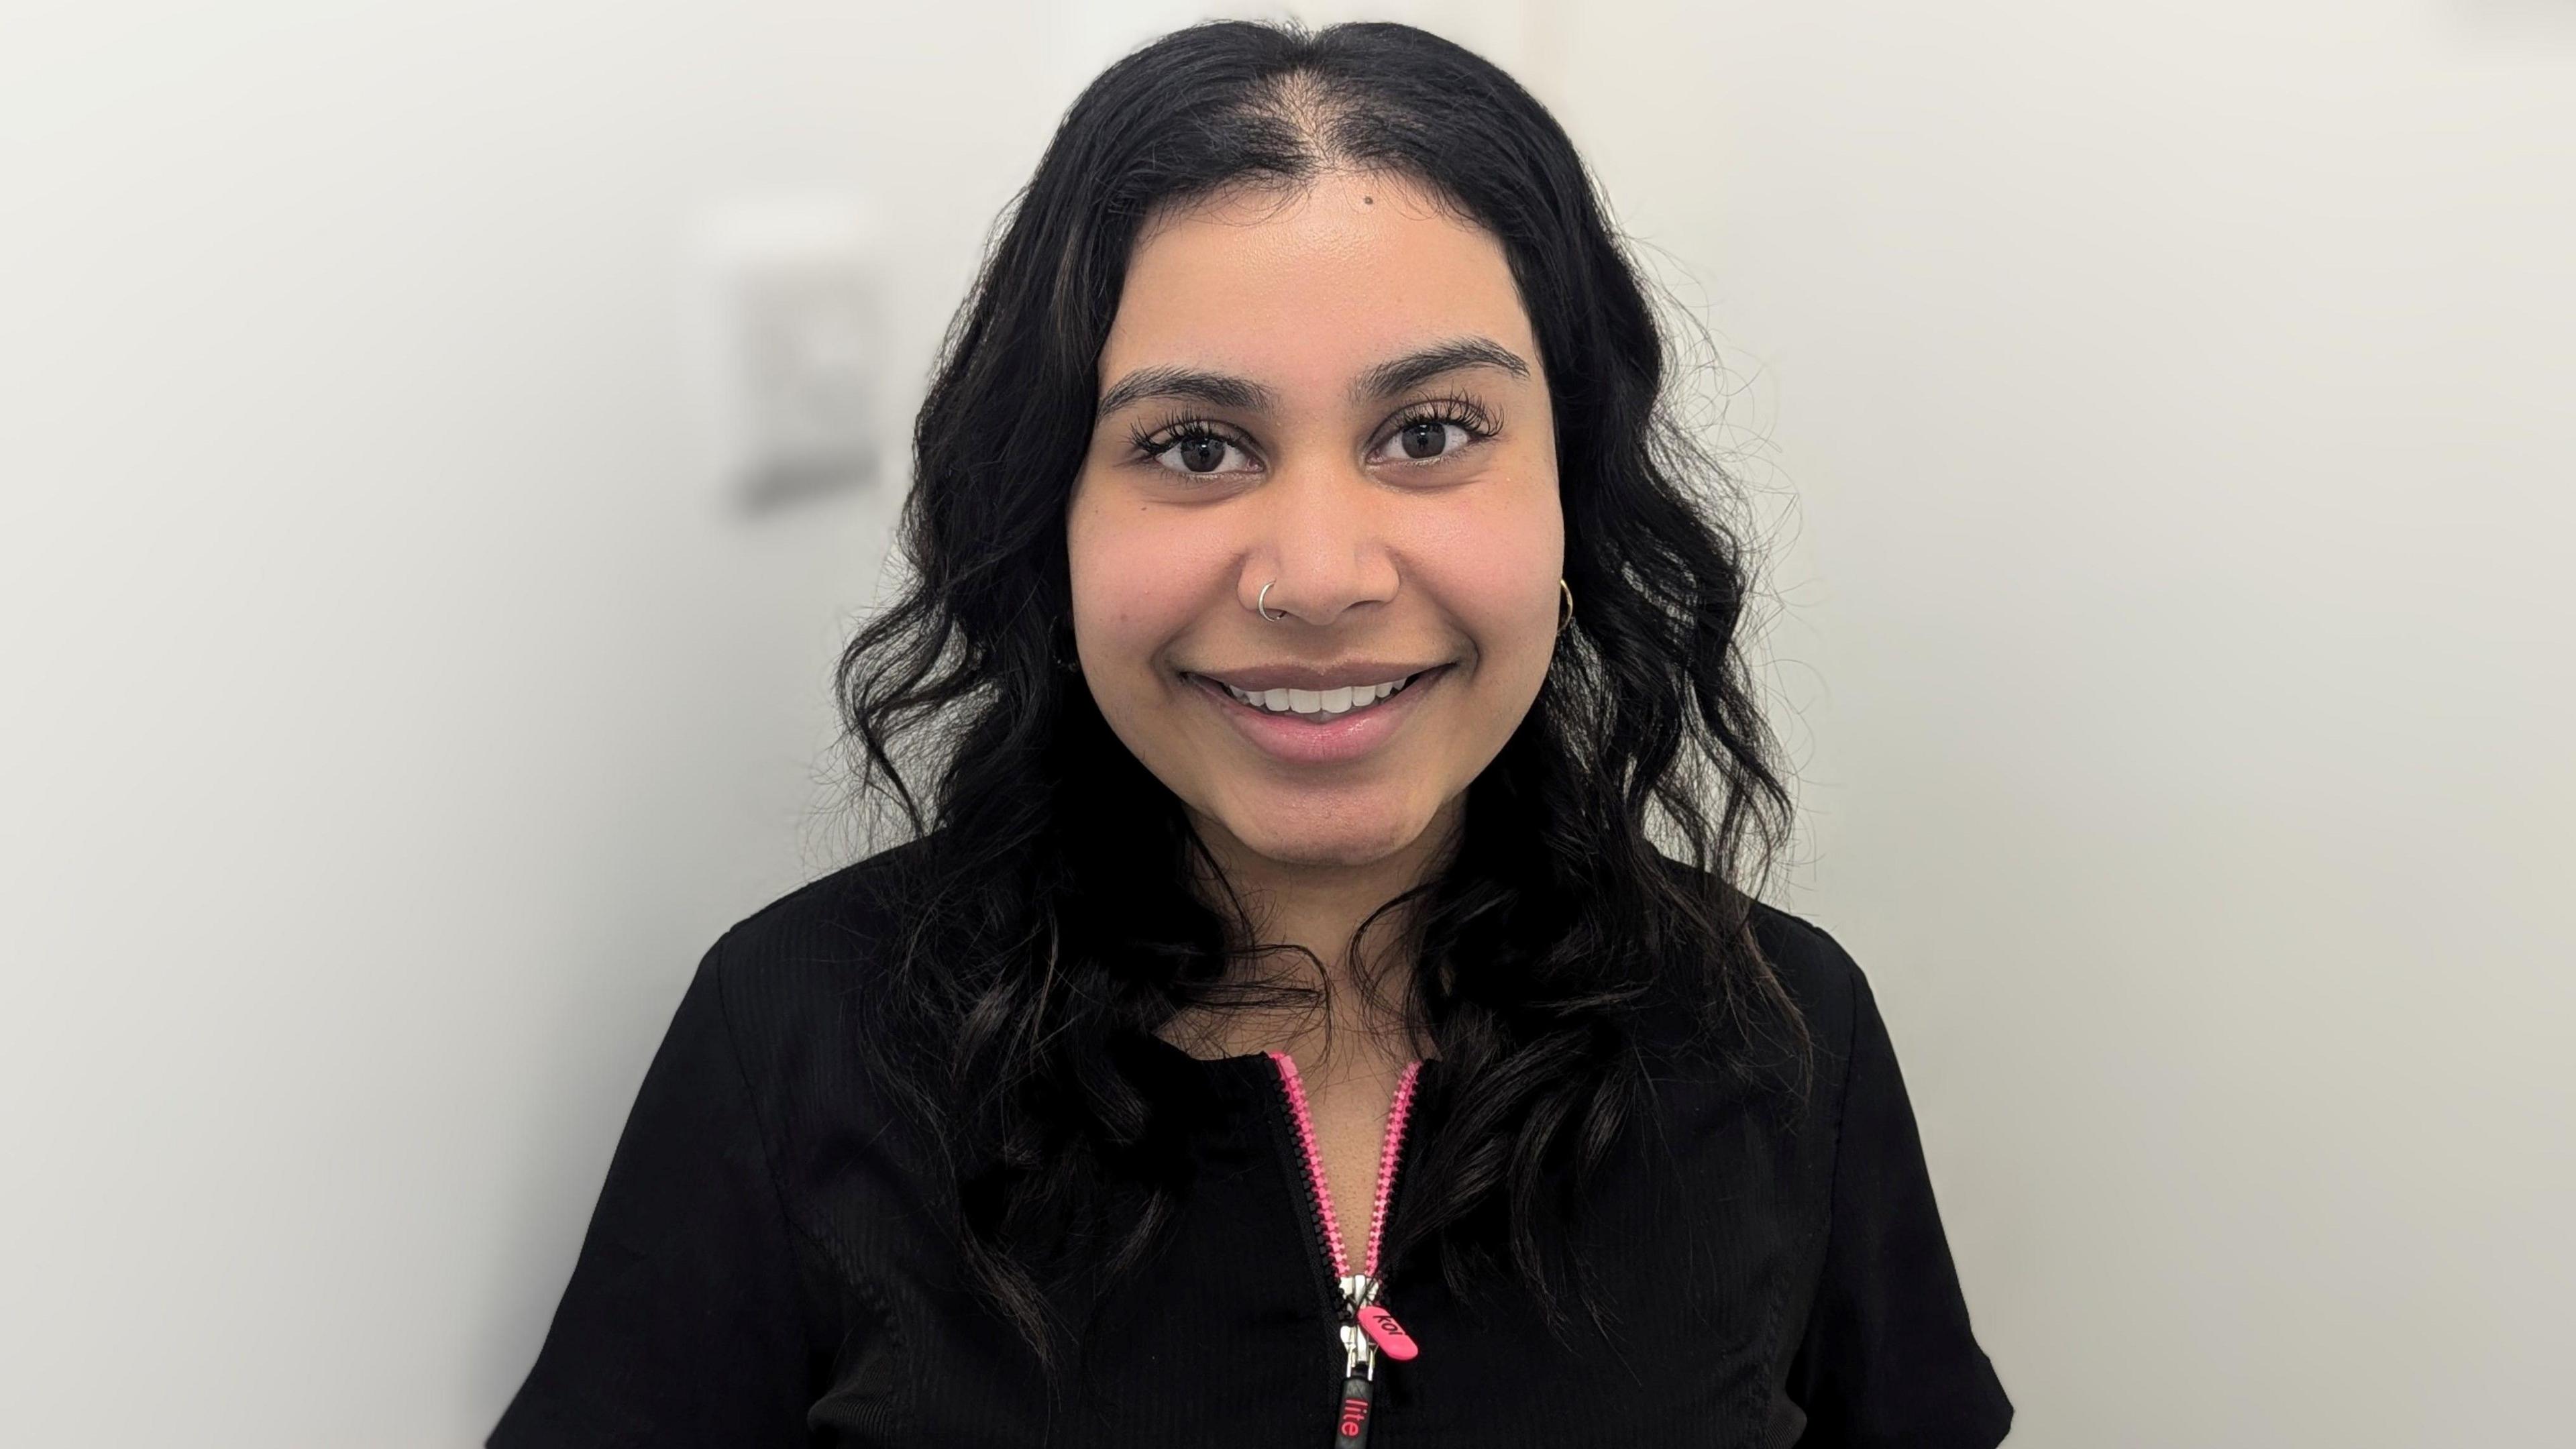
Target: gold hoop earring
column 1568, row 616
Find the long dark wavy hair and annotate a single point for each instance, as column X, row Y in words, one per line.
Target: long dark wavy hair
column 1054, row 896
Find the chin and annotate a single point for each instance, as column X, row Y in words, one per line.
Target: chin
column 1330, row 842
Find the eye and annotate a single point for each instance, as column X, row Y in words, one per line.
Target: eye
column 1431, row 431
column 1198, row 452
column 1424, row 439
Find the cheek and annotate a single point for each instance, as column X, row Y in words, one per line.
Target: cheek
column 1137, row 583
column 1494, row 571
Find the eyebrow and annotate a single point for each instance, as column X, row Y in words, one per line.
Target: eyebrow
column 1186, row 384
column 1218, row 389
column 1416, row 368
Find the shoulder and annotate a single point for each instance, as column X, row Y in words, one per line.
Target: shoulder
column 1818, row 978
column 795, row 978
column 834, row 923
column 1821, row 978
column 1803, row 1022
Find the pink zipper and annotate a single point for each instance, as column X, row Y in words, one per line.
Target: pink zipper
column 1366, row 1329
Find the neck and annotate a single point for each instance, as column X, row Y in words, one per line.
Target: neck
column 1319, row 905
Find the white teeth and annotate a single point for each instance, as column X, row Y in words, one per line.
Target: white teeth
column 1319, row 703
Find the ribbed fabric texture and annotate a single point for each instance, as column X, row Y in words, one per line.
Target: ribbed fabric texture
column 766, row 1265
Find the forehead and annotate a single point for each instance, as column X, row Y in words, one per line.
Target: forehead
column 1309, row 287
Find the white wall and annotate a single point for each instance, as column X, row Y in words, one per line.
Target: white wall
column 395, row 710
column 2177, row 626
column 2163, row 407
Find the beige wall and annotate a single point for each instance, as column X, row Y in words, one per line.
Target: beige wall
column 2162, row 411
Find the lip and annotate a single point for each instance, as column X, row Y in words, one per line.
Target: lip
column 1299, row 742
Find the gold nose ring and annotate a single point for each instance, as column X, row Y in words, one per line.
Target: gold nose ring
column 1262, row 603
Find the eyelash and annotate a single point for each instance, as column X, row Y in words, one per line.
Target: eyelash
column 1457, row 409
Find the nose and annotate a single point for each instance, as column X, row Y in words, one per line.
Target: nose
column 1319, row 543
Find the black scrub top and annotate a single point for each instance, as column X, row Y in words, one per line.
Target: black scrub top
column 766, row 1265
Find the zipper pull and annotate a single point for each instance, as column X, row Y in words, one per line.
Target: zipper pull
column 1352, row 1431
column 1360, row 1310
column 1359, row 1363
column 1386, row 1334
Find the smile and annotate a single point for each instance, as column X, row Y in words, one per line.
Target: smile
column 1333, row 724
column 1318, row 705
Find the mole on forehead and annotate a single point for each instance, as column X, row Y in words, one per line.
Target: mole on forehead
column 1253, row 201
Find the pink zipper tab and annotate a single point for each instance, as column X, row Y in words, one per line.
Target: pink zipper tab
column 1387, row 1334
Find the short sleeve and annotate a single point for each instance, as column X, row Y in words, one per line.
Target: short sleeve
column 1888, row 1359
column 684, row 1322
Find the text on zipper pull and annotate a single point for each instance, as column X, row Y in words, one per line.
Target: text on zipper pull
column 1387, row 1334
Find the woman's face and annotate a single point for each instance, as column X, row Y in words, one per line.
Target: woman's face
column 1334, row 393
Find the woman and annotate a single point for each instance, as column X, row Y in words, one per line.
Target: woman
column 1279, row 1028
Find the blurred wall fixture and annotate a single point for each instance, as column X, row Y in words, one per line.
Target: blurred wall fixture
column 792, row 348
